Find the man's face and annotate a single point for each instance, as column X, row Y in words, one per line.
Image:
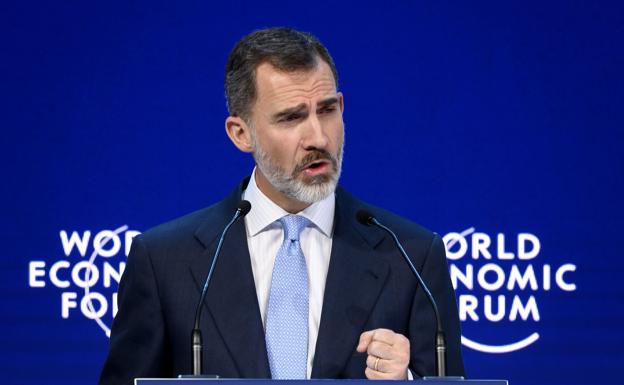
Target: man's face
column 297, row 132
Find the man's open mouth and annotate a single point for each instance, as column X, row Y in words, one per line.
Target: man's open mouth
column 316, row 164
column 317, row 167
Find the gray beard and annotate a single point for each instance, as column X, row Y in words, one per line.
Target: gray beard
column 307, row 191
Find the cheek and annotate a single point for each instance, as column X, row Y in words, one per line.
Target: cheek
column 336, row 133
column 282, row 149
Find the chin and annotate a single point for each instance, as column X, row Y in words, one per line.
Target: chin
column 313, row 190
column 318, row 180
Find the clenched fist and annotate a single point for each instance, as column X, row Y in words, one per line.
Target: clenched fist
column 388, row 354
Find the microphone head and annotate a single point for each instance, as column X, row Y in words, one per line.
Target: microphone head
column 365, row 217
column 244, row 207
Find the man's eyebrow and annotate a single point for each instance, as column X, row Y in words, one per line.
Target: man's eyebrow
column 289, row 111
column 328, row 102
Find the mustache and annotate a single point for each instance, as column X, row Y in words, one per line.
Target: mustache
column 313, row 156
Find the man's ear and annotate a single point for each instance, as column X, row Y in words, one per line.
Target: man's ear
column 239, row 133
column 341, row 101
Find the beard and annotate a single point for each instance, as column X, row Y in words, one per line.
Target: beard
column 295, row 184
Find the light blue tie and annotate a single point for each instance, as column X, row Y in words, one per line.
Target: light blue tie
column 287, row 315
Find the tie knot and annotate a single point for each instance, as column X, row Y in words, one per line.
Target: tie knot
column 293, row 225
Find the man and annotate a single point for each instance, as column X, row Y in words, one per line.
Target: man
column 301, row 290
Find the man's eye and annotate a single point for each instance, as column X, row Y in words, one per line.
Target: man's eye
column 326, row 110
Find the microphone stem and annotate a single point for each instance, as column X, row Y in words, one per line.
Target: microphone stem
column 196, row 338
column 440, row 338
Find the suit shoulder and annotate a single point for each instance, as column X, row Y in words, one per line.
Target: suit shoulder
column 181, row 228
column 405, row 228
column 207, row 221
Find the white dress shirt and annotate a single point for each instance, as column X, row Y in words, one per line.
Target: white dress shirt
column 264, row 238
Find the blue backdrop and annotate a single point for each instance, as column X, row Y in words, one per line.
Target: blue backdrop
column 497, row 124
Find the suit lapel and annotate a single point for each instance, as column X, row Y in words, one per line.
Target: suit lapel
column 355, row 278
column 231, row 300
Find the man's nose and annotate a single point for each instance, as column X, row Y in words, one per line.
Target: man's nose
column 315, row 136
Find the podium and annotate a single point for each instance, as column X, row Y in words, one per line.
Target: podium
column 204, row 381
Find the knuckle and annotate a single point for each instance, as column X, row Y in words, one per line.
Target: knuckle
column 373, row 348
column 381, row 350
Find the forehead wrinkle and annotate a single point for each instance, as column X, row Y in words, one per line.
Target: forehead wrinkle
column 287, row 98
column 278, row 90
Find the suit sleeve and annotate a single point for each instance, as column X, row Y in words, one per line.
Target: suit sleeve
column 435, row 274
column 137, row 343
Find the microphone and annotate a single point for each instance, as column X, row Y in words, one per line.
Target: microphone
column 242, row 209
column 366, row 218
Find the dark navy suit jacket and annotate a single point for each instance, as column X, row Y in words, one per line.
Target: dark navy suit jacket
column 368, row 286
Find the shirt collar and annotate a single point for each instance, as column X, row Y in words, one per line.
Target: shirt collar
column 264, row 212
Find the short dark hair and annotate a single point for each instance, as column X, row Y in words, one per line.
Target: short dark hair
column 284, row 48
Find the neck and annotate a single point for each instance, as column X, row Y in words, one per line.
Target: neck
column 293, row 206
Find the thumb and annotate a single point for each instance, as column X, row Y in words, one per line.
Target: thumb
column 365, row 340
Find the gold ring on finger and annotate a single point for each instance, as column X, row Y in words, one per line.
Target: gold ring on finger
column 376, row 364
